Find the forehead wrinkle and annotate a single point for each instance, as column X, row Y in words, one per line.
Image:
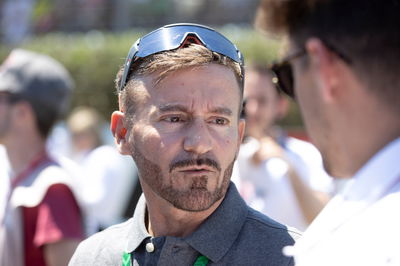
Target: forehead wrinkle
column 212, row 108
column 171, row 107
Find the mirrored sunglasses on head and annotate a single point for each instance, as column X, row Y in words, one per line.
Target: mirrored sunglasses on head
column 176, row 36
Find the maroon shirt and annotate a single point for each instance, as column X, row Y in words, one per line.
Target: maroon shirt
column 56, row 218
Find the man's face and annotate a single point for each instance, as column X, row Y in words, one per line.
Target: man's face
column 316, row 120
column 262, row 103
column 185, row 135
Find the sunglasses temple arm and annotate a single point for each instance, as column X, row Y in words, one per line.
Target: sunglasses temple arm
column 127, row 65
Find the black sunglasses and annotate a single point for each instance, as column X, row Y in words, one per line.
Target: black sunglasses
column 282, row 71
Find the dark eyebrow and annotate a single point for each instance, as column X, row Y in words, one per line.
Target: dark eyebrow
column 181, row 108
column 222, row 110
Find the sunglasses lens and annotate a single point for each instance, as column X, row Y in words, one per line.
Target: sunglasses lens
column 172, row 37
column 284, row 78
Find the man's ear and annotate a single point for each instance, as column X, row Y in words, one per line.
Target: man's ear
column 119, row 131
column 326, row 66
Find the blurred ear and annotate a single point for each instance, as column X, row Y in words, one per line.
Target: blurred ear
column 327, row 68
column 119, row 131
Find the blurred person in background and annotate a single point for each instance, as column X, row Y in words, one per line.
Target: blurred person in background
column 108, row 178
column 180, row 95
column 42, row 222
column 342, row 67
column 276, row 174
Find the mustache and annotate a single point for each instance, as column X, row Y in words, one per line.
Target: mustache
column 195, row 162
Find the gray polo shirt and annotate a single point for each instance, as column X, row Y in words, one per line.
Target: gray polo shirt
column 234, row 234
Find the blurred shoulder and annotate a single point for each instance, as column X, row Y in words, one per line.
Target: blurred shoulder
column 262, row 239
column 103, row 248
column 302, row 148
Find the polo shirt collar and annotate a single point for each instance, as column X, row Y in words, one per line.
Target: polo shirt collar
column 137, row 231
column 215, row 235
column 219, row 231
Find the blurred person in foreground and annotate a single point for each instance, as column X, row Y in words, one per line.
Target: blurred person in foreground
column 42, row 222
column 280, row 176
column 343, row 69
column 4, row 180
column 108, row 178
column 180, row 95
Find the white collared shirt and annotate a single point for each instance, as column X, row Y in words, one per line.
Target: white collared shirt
column 361, row 225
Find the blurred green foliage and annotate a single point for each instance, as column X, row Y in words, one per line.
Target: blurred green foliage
column 93, row 59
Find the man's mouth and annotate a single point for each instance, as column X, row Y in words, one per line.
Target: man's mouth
column 195, row 165
column 196, row 169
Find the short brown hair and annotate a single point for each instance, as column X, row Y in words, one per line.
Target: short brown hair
column 366, row 31
column 170, row 61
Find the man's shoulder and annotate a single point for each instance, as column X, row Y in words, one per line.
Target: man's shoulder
column 261, row 241
column 304, row 149
column 384, row 209
column 32, row 190
column 262, row 226
column 103, row 248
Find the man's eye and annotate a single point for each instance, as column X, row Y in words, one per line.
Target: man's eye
column 220, row 121
column 173, row 119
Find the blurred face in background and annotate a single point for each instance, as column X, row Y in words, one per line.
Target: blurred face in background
column 85, row 125
column 84, row 141
column 185, row 134
column 263, row 104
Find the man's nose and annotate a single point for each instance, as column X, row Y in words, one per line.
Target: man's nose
column 198, row 139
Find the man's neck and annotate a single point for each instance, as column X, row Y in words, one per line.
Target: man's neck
column 358, row 139
column 166, row 220
column 365, row 149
